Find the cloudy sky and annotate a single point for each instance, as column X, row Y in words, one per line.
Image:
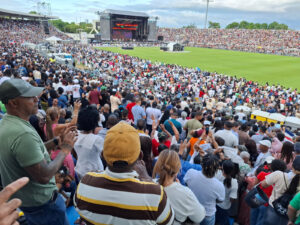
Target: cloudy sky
column 174, row 13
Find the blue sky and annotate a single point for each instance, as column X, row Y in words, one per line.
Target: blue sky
column 174, row 13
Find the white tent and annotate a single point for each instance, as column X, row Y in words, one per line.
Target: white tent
column 277, row 116
column 293, row 122
column 53, row 39
column 244, row 108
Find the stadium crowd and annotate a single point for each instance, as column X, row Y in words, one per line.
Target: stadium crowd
column 139, row 142
column 279, row 42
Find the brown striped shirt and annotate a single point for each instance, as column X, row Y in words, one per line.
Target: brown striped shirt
column 121, row 198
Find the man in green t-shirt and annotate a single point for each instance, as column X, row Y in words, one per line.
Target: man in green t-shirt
column 293, row 212
column 23, row 154
column 193, row 124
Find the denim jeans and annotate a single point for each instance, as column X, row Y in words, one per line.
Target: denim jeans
column 51, row 213
column 257, row 215
column 208, row 220
column 222, row 217
column 272, row 218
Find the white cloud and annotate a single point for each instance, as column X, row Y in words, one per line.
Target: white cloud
column 175, row 13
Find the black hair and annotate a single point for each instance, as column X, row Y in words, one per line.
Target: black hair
column 218, row 125
column 280, row 136
column 34, row 121
column 88, row 118
column 228, row 168
column 165, row 116
column 287, row 152
column 260, row 169
column 146, row 148
column 278, row 164
column 220, row 141
column 141, row 124
column 292, row 189
column 210, row 165
column 162, row 147
column 60, row 90
column 198, row 159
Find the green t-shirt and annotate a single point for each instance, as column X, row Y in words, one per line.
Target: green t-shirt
column 295, row 203
column 192, row 124
column 21, row 146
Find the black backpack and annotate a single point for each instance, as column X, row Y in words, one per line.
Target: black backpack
column 281, row 204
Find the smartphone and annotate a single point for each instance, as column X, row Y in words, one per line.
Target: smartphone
column 207, row 130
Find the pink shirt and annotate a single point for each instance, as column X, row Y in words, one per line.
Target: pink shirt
column 68, row 162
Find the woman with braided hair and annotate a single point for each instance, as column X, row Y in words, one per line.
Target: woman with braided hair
column 208, row 189
column 182, row 199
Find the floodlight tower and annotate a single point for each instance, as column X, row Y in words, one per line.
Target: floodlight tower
column 44, row 8
column 207, row 4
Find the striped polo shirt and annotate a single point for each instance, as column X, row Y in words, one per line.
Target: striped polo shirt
column 121, row 198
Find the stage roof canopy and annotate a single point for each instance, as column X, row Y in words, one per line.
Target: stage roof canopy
column 125, row 13
column 5, row 12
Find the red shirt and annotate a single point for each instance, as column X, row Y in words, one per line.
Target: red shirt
column 94, row 97
column 129, row 107
column 155, row 145
column 262, row 176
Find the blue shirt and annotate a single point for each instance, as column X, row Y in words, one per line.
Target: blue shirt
column 185, row 166
column 138, row 113
column 62, row 101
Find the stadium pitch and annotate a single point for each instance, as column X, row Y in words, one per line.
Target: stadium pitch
column 283, row 70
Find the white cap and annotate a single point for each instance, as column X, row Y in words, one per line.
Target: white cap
column 269, row 159
column 75, row 81
column 265, row 143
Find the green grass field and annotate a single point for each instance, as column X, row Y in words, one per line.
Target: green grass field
column 263, row 68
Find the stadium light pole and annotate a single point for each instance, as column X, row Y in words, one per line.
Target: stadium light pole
column 207, row 4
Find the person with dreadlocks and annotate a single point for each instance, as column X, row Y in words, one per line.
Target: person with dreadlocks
column 208, row 189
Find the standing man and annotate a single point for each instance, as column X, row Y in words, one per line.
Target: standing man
column 137, row 111
column 193, row 124
column 152, row 112
column 23, row 154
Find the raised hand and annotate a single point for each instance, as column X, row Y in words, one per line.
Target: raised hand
column 68, row 139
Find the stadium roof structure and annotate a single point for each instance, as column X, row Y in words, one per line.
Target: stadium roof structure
column 125, row 13
column 11, row 13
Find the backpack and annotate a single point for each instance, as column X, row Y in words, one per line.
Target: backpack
column 281, row 204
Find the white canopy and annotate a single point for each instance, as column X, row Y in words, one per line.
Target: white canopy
column 277, row 116
column 53, row 39
column 293, row 122
column 242, row 107
column 261, row 113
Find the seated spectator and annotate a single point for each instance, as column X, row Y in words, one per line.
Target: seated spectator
column 182, row 199
column 118, row 195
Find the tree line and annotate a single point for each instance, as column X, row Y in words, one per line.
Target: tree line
column 245, row 25
column 69, row 27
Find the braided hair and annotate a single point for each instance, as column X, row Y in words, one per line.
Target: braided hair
column 210, row 165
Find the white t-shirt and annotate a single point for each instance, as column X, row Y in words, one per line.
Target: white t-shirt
column 184, row 203
column 75, row 91
column 231, row 192
column 88, row 148
column 207, row 190
column 279, row 184
column 230, row 139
